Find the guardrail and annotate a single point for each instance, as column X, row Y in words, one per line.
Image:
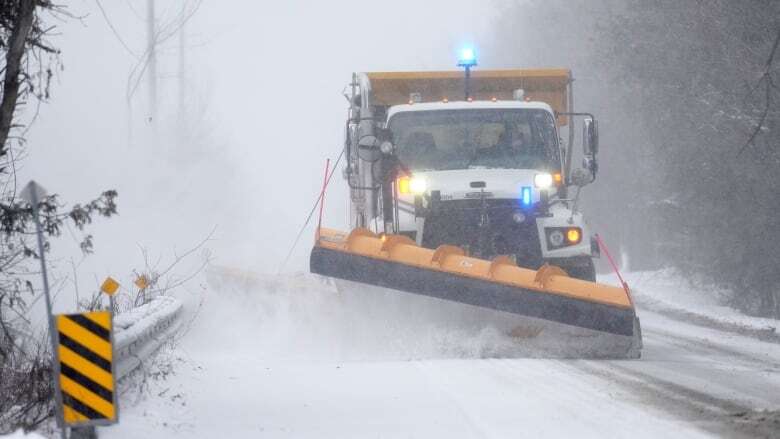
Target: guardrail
column 139, row 332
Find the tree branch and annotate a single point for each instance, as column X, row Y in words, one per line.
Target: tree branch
column 766, row 79
column 22, row 25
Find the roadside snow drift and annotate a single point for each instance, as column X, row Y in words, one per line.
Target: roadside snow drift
column 296, row 356
column 306, row 316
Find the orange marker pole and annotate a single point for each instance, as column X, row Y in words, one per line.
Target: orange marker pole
column 614, row 267
column 322, row 199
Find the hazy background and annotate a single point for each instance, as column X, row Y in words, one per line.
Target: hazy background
column 264, row 110
column 687, row 94
column 677, row 87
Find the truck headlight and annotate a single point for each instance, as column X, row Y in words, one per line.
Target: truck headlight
column 543, row 181
column 412, row 185
column 418, row 185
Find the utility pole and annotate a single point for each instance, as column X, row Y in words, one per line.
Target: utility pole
column 182, row 66
column 152, row 64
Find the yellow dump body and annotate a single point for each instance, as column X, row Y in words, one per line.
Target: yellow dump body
column 544, row 85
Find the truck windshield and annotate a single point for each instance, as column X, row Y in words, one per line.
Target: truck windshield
column 485, row 138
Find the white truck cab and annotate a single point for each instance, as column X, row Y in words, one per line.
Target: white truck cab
column 489, row 175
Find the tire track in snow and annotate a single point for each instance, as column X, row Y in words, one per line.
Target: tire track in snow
column 493, row 397
column 768, row 334
column 717, row 380
column 727, row 366
column 705, row 345
column 707, row 412
column 542, row 398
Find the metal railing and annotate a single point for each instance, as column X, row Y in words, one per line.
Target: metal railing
column 134, row 343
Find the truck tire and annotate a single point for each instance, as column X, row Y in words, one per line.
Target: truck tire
column 585, row 271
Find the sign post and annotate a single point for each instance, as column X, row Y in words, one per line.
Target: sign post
column 33, row 193
column 82, row 349
column 110, row 287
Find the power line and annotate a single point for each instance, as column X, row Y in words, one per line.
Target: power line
column 113, row 29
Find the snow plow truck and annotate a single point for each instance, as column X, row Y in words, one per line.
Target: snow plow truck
column 462, row 190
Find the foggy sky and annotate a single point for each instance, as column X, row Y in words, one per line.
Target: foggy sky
column 265, row 82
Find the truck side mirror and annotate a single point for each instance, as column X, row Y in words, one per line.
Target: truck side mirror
column 590, row 137
column 590, row 145
column 384, row 139
column 581, row 177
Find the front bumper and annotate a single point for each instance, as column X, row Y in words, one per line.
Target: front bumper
column 487, row 228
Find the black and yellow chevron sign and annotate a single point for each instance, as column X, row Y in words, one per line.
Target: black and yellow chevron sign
column 86, row 368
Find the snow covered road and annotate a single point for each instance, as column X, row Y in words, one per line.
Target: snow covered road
column 293, row 357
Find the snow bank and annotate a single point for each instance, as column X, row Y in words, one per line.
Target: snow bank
column 299, row 356
column 668, row 293
column 135, row 323
column 130, row 317
column 304, row 316
column 19, row 434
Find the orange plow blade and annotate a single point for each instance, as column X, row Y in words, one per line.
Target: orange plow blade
column 548, row 298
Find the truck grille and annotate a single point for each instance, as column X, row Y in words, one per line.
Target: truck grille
column 457, row 222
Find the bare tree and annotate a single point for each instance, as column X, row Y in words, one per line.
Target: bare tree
column 687, row 95
column 21, row 21
column 25, row 363
column 159, row 31
column 766, row 81
column 151, row 49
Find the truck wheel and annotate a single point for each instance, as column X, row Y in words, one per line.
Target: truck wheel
column 586, row 271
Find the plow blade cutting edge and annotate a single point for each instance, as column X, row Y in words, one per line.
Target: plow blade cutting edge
column 546, row 298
